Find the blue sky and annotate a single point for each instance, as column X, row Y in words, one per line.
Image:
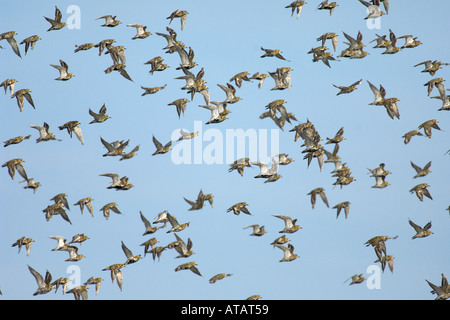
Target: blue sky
column 226, row 39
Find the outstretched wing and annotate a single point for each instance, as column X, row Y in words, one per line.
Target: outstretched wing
column 127, row 251
column 37, row 276
column 415, row 226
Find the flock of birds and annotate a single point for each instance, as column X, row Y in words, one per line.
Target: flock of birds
column 275, row 110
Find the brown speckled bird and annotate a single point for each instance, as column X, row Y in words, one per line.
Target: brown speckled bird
column 99, row 117
column 296, row 6
column 13, row 165
column 421, row 190
column 219, row 276
column 189, row 266
column 357, row 278
column 20, row 94
column 347, row 89
column 129, row 255
column 160, row 149
column 110, row 21
column 318, row 191
column 289, row 223
column 330, row 6
column 386, row 259
column 107, row 209
column 288, row 251
column 342, row 206
column 23, row 241
column 56, row 23
column 116, row 273
column 407, row 136
column 9, row 83
column 432, row 66
column 44, row 133
column 176, row 226
column 179, row 14
column 238, row 207
column 9, row 36
column 63, row 69
column 44, row 284
column 421, row 172
column 421, row 232
column 427, row 127
column 257, row 230
column 84, row 47
column 16, row 140
column 30, row 42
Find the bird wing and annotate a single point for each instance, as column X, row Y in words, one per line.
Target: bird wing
column 356, row 83
column 427, row 193
column 375, row 91
column 286, row 250
column 145, row 221
column 245, row 210
column 114, row 208
column 324, row 197
column 386, row 6
column 125, row 74
column 114, row 176
column 61, row 69
column 440, row 86
column 444, row 281
column 90, row 208
column 313, row 199
column 127, row 251
column 415, row 226
column 60, row 240
column 214, row 110
column 192, row 203
column 351, row 39
column 58, row 14
column 367, row 4
column 64, row 215
column 195, row 270
column 172, row 220
column 79, row 134
column 438, row 290
column 21, row 171
column 42, row 131
column 38, row 277
column 107, row 145
column 92, row 113
column 181, row 247
column 427, row 226
column 379, row 180
column 108, row 18
column 183, row 21
column 139, row 27
column 14, row 45
column 416, row 167
column 103, row 109
column 287, row 220
column 157, row 144
column 226, row 90
column 184, row 56
column 118, row 274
